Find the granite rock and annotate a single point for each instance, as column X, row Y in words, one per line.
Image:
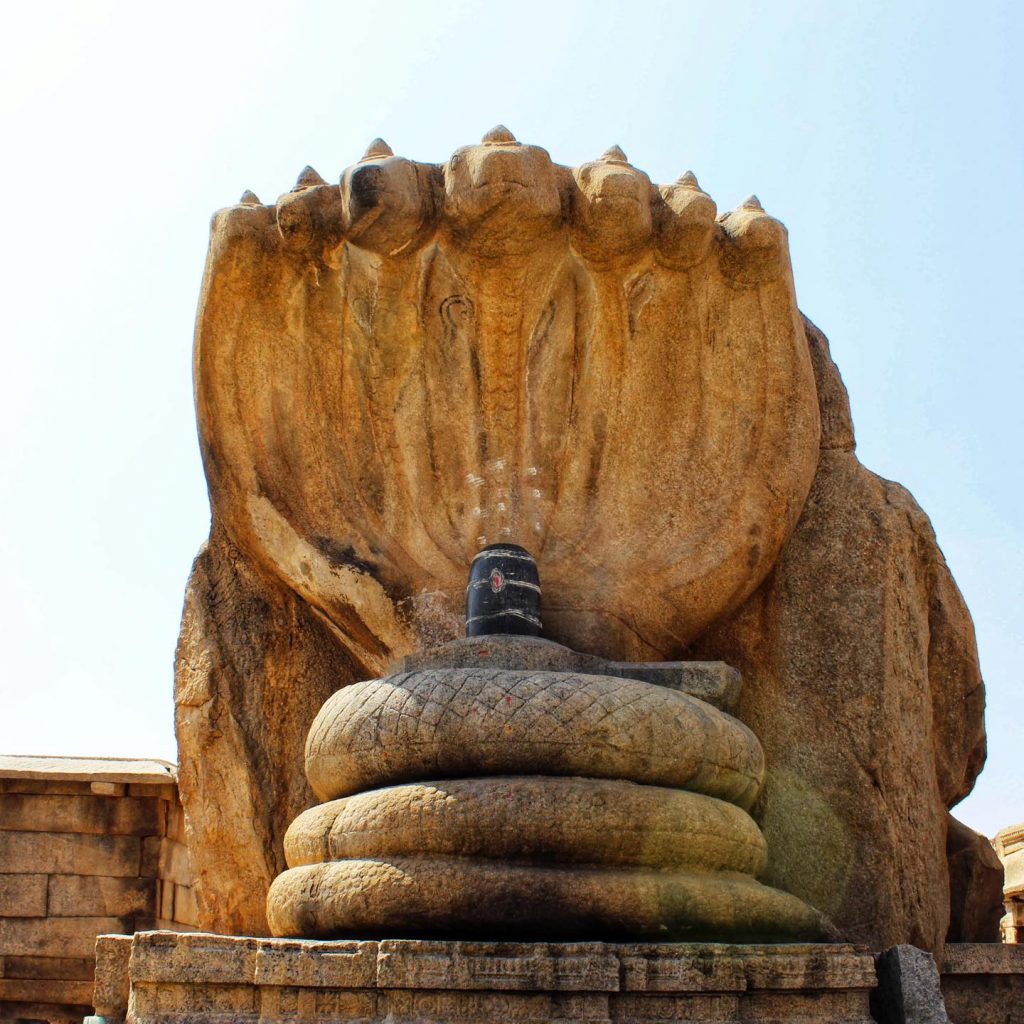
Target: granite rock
column 861, row 680
column 393, row 374
column 975, row 886
column 416, row 726
column 254, row 665
column 908, row 988
column 533, row 818
column 458, row 897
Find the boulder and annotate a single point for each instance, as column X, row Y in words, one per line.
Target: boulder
column 254, row 665
column 861, row 680
column 975, row 886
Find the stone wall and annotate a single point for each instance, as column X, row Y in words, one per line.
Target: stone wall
column 87, row 846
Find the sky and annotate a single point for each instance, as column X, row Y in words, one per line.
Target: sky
column 887, row 136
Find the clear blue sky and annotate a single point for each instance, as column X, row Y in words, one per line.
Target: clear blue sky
column 886, row 135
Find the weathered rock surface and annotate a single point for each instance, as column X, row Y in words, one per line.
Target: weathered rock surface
column 861, row 680
column 562, row 820
column 713, row 682
column 392, row 374
column 975, row 886
column 908, row 990
column 439, row 723
column 254, row 665
column 412, row 896
column 543, row 831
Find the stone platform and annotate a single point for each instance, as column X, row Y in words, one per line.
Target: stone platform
column 170, row 978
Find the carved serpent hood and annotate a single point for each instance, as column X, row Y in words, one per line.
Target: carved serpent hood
column 394, row 372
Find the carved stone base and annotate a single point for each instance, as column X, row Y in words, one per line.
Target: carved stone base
column 198, row 978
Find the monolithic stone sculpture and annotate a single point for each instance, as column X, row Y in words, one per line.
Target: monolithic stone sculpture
column 503, row 795
column 396, row 372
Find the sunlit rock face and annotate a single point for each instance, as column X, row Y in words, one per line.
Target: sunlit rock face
column 400, row 368
column 394, row 373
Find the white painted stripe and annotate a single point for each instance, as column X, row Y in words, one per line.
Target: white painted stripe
column 477, row 584
column 504, row 553
column 510, row 611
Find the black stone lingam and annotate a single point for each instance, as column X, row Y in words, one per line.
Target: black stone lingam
column 503, row 594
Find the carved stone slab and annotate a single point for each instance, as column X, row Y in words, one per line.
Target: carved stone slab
column 711, row 681
column 201, row 978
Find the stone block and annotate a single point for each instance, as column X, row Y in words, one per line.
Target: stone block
column 657, row 968
column 983, row 958
column 165, row 926
column 149, row 860
column 497, row 966
column 55, row 936
column 668, row 1007
column 159, row 957
column 23, row 895
column 55, row 1013
column 483, row 1007
column 97, row 896
column 209, row 979
column 185, row 909
column 984, row 999
column 183, row 1001
column 173, row 863
column 153, row 791
column 164, row 900
column 56, row 968
column 113, row 953
column 983, row 983
column 45, row 787
column 66, row 854
column 808, row 967
column 87, row 770
column 175, row 822
column 908, row 989
column 108, row 788
column 303, row 964
column 807, row 1006
column 281, row 1003
column 717, row 968
column 78, row 813
column 74, row 993
column 975, row 886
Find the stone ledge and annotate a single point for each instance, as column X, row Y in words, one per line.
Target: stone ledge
column 983, row 983
column 198, row 977
column 710, row 681
column 88, row 769
column 983, row 958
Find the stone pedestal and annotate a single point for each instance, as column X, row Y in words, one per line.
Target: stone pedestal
column 172, row 977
